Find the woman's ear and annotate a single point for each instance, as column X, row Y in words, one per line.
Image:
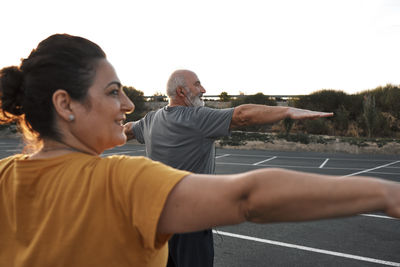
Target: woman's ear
column 62, row 104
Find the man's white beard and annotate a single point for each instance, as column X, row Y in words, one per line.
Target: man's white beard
column 197, row 102
column 194, row 101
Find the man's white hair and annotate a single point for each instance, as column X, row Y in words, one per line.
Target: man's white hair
column 177, row 79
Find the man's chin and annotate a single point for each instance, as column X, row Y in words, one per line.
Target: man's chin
column 199, row 103
column 194, row 102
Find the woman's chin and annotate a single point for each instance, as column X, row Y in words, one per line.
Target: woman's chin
column 121, row 140
column 118, row 141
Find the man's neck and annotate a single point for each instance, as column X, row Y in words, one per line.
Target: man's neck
column 174, row 103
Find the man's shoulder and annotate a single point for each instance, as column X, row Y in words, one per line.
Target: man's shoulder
column 212, row 110
column 149, row 115
column 195, row 111
column 183, row 112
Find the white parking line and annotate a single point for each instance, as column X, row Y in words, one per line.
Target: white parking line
column 368, row 170
column 303, row 167
column 257, row 163
column 13, row 150
column 225, row 155
column 316, row 158
column 297, row 167
column 322, row 251
column 323, row 164
column 378, row 216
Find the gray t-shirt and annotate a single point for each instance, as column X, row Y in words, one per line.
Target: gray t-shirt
column 183, row 137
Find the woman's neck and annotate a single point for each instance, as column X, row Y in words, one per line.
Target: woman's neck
column 53, row 148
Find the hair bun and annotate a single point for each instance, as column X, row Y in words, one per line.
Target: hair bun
column 11, row 90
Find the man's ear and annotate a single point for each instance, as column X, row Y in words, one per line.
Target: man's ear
column 180, row 91
column 62, row 104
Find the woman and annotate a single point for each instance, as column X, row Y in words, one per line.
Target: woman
column 61, row 204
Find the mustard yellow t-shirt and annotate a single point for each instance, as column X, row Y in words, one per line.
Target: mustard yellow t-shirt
column 81, row 210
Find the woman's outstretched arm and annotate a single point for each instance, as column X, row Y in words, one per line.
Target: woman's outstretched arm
column 272, row 195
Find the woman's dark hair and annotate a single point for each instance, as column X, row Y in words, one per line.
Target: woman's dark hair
column 61, row 61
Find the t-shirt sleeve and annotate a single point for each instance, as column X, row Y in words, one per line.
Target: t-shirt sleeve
column 140, row 127
column 214, row 123
column 146, row 185
column 137, row 129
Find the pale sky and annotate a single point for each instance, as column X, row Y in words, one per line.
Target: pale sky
column 275, row 47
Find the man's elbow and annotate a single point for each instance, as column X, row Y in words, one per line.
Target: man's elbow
column 240, row 117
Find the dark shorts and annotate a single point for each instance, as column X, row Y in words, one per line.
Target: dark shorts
column 191, row 250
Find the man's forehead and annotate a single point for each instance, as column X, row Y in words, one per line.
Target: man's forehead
column 192, row 77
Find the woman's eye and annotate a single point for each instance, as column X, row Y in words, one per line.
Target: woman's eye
column 114, row 92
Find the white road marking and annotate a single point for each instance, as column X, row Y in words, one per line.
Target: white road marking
column 333, row 168
column 323, row 164
column 13, row 150
column 368, row 170
column 257, row 163
column 378, row 216
column 298, row 167
column 322, row 251
column 317, row 158
column 225, row 155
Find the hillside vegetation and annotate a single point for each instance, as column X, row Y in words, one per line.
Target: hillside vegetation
column 371, row 113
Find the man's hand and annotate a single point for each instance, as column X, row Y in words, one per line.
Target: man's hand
column 301, row 114
column 128, row 130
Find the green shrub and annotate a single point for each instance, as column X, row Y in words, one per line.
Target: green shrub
column 341, row 119
column 369, row 114
column 323, row 100
column 382, row 126
column 137, row 97
column 231, row 141
column 224, row 97
column 288, row 124
column 299, row 137
column 317, row 126
column 238, row 138
column 258, row 98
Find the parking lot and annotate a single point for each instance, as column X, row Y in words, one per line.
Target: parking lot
column 363, row 240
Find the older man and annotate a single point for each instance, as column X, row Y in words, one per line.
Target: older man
column 182, row 135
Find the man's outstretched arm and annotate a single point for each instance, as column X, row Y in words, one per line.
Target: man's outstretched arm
column 253, row 114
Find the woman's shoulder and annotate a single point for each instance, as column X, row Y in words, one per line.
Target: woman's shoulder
column 136, row 165
column 118, row 159
column 11, row 159
column 122, row 163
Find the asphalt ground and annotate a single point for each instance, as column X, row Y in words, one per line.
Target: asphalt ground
column 363, row 240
